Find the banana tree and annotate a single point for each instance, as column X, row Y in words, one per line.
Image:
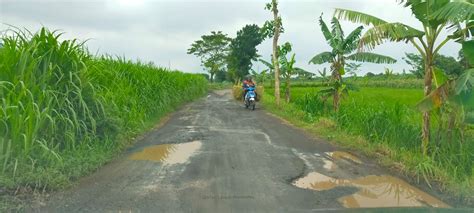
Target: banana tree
column 288, row 70
column 259, row 77
column 324, row 76
column 303, row 74
column 388, row 72
column 448, row 97
column 435, row 16
column 343, row 49
column 353, row 68
column 269, row 70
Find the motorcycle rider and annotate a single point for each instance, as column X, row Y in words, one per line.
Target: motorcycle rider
column 247, row 83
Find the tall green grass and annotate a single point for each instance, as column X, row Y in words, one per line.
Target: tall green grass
column 63, row 112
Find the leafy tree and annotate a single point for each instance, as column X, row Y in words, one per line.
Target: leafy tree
column 370, row 74
column 447, row 64
column 435, row 16
column 212, row 50
column 343, row 49
column 416, row 63
column 221, row 76
column 243, row 51
column 274, row 27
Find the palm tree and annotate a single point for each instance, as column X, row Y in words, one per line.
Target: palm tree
column 342, row 50
column 435, row 16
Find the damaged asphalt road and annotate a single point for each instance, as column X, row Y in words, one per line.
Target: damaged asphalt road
column 215, row 156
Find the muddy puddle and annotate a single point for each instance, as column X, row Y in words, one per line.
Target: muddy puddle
column 374, row 191
column 168, row 153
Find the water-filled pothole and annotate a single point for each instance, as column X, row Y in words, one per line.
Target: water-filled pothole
column 168, row 153
column 374, row 191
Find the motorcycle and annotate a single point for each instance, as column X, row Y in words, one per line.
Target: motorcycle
column 250, row 98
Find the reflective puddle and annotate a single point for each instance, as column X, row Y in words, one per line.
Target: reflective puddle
column 168, row 153
column 374, row 191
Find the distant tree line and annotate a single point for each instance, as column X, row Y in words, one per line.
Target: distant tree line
column 449, row 65
column 228, row 59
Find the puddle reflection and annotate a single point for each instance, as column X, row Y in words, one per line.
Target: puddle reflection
column 374, row 191
column 168, row 153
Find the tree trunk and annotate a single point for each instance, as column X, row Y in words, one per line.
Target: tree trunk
column 439, row 133
column 275, row 51
column 336, row 97
column 451, row 125
column 212, row 78
column 426, row 115
column 287, row 90
column 335, row 101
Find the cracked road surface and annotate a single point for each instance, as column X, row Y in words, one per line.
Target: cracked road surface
column 213, row 155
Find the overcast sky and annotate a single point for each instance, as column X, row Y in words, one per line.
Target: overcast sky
column 162, row 30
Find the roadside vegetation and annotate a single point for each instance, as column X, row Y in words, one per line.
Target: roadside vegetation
column 388, row 119
column 384, row 123
column 421, row 120
column 65, row 112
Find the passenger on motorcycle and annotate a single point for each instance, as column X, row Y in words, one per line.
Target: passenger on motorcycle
column 247, row 83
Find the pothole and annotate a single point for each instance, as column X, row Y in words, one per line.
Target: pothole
column 374, row 191
column 168, row 153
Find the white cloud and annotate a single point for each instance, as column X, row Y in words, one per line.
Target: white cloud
column 162, row 30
